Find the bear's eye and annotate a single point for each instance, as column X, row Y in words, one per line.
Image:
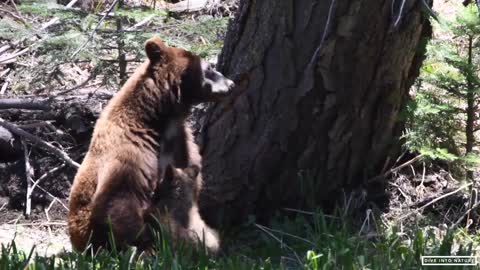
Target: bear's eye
column 206, row 65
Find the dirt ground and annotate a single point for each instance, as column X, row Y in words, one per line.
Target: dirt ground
column 45, row 229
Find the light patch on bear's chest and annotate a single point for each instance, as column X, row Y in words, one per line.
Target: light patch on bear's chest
column 172, row 130
column 166, row 152
column 165, row 157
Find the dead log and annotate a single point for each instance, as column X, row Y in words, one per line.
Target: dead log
column 39, row 142
column 188, row 5
column 25, row 104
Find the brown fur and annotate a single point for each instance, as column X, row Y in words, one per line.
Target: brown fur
column 182, row 221
column 186, row 153
column 130, row 147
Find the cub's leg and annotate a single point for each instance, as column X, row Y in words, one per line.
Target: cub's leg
column 176, row 208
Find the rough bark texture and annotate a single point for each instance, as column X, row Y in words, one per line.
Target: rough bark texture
column 470, row 121
column 307, row 126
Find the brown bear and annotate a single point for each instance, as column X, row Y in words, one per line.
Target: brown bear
column 139, row 133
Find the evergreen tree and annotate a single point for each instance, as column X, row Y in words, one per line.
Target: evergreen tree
column 445, row 116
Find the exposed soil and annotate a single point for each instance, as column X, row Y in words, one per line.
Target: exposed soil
column 45, row 229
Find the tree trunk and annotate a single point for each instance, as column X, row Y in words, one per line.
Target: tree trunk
column 325, row 81
column 470, row 121
column 122, row 61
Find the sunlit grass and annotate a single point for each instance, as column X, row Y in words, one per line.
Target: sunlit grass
column 305, row 242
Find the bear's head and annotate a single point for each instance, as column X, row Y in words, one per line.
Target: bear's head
column 191, row 79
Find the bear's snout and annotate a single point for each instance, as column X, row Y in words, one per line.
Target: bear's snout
column 218, row 83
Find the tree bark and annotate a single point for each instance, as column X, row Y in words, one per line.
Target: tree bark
column 315, row 117
column 122, row 61
column 470, row 121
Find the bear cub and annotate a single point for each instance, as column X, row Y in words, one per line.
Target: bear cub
column 176, row 209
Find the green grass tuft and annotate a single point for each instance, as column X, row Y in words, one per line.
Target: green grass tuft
column 306, row 242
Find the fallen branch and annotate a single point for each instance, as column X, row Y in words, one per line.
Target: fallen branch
column 407, row 198
column 49, row 23
column 141, row 23
column 435, row 200
column 53, row 197
column 4, row 48
column 3, row 206
column 6, row 59
column 42, row 28
column 187, row 5
column 4, row 88
column 69, row 5
column 48, row 216
column 33, row 125
column 39, row 142
column 24, row 104
column 29, row 177
column 64, row 91
column 396, row 169
column 45, row 175
column 95, row 29
column 15, row 43
column 13, row 15
column 52, row 223
column 465, row 214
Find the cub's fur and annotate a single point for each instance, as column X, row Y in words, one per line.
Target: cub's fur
column 135, row 138
column 182, row 220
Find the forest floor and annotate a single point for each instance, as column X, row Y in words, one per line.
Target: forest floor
column 77, row 87
column 44, row 230
column 38, row 43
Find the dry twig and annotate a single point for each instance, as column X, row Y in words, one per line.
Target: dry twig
column 29, row 176
column 4, row 88
column 109, row 10
column 13, row 15
column 11, row 57
column 141, row 23
column 46, row 174
column 282, row 244
column 37, row 141
column 435, row 200
column 71, row 3
column 396, row 169
column 465, row 214
column 51, row 223
column 52, row 196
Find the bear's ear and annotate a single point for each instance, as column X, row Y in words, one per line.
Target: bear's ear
column 155, row 49
column 192, row 171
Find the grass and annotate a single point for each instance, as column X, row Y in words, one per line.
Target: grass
column 305, row 242
column 9, row 29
